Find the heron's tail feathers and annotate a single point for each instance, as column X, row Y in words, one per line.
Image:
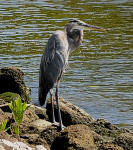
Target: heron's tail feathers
column 43, row 95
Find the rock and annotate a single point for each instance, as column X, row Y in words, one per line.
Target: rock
column 30, row 115
column 4, row 116
column 41, row 124
column 40, row 147
column 12, row 80
column 75, row 137
column 41, row 112
column 71, row 114
column 31, row 121
column 105, row 128
column 97, row 138
column 125, row 140
column 8, row 145
column 7, row 97
column 5, row 135
column 5, row 108
column 35, row 139
column 49, row 134
column 82, row 131
column 110, row 146
column 2, row 101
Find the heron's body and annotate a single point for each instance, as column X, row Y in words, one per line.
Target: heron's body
column 53, row 64
column 55, row 59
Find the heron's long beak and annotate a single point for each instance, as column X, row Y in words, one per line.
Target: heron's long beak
column 91, row 27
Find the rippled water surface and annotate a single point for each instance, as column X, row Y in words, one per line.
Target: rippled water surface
column 99, row 77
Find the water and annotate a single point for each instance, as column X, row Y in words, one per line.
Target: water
column 100, row 74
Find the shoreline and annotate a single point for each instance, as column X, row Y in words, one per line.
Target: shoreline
column 82, row 131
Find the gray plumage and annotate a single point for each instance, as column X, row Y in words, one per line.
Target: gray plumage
column 55, row 57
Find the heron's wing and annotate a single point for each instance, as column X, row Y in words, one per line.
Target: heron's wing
column 44, row 84
column 50, row 49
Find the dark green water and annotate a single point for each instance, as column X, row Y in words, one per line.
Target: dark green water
column 100, row 73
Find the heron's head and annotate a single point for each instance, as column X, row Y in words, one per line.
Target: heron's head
column 75, row 27
column 76, row 24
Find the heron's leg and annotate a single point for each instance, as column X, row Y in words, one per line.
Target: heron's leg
column 52, row 103
column 45, row 104
column 58, row 106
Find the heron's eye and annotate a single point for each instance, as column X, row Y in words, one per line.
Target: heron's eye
column 74, row 21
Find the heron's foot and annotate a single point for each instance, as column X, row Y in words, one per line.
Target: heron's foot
column 57, row 124
column 63, row 127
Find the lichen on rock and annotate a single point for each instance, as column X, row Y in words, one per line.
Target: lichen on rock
column 7, row 97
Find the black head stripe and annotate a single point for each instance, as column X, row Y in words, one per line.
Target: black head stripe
column 74, row 21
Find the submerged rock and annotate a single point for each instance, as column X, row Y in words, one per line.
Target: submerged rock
column 12, row 80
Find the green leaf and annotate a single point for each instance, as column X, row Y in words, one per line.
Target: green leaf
column 3, row 125
column 16, row 130
column 18, row 108
column 10, row 106
column 7, row 129
column 24, row 106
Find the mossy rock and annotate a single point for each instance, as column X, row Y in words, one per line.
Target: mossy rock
column 12, row 80
column 8, row 97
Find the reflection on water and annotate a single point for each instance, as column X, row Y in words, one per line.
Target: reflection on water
column 99, row 77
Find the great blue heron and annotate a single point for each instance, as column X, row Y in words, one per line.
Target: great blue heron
column 55, row 59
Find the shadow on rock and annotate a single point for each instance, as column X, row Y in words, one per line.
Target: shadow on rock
column 12, row 80
column 71, row 114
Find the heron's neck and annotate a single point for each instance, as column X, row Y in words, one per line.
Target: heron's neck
column 74, row 40
column 73, row 45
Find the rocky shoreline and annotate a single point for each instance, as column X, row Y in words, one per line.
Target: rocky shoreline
column 81, row 132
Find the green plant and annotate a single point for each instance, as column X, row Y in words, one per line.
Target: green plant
column 18, row 108
column 3, row 126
